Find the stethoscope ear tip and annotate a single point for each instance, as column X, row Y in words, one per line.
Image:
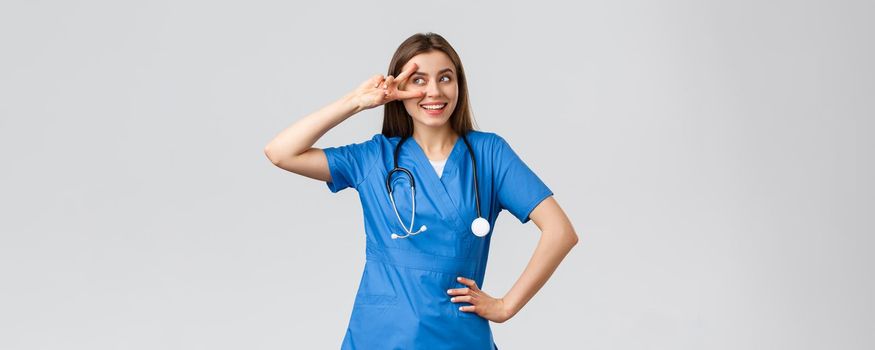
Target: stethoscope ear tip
column 395, row 236
column 423, row 228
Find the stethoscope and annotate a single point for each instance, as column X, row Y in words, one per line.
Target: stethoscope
column 480, row 227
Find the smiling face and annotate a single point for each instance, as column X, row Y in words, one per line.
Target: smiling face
column 436, row 75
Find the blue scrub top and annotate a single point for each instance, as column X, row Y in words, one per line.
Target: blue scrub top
column 402, row 300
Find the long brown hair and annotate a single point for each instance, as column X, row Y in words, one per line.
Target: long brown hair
column 396, row 121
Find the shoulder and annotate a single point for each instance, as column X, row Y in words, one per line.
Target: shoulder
column 379, row 139
column 486, row 137
column 486, row 141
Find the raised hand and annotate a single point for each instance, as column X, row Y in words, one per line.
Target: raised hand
column 379, row 90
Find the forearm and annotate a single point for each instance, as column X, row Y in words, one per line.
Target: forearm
column 551, row 250
column 303, row 133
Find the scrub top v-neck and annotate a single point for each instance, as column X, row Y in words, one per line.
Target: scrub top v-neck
column 438, row 166
column 402, row 300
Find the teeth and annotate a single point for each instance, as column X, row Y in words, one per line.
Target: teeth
column 434, row 106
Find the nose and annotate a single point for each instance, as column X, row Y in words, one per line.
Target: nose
column 432, row 90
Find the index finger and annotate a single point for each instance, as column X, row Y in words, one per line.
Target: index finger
column 467, row 282
column 407, row 72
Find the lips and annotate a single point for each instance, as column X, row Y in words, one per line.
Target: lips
column 433, row 109
column 433, row 106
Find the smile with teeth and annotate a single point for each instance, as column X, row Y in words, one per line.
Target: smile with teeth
column 435, row 106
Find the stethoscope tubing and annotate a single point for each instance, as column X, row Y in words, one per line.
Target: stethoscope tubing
column 413, row 185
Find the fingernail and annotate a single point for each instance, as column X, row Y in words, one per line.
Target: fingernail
column 459, row 278
column 453, row 299
column 449, row 291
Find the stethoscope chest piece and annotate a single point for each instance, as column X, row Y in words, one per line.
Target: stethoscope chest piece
column 480, row 227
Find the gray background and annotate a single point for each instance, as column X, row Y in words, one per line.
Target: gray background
column 711, row 155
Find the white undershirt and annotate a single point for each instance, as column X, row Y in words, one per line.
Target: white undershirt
column 438, row 166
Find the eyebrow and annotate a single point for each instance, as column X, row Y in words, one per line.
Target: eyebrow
column 441, row 71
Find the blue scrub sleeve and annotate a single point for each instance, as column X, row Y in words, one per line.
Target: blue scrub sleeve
column 350, row 164
column 519, row 188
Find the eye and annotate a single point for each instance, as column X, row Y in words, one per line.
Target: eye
column 446, row 76
column 415, row 80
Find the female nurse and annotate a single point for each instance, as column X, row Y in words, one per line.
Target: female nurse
column 426, row 239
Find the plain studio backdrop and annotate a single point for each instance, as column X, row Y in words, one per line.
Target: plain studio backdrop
column 715, row 158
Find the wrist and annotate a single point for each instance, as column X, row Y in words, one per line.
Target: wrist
column 350, row 103
column 511, row 306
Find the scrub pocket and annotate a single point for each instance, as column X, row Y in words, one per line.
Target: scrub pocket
column 375, row 287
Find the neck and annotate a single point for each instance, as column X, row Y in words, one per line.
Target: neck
column 435, row 142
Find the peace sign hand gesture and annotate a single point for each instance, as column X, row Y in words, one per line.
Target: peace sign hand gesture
column 379, row 90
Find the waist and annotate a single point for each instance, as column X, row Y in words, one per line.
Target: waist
column 422, row 261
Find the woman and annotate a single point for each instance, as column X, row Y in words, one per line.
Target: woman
column 421, row 287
